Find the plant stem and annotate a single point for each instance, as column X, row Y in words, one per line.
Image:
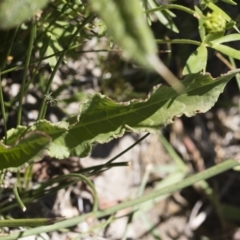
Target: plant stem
column 21, row 205
column 172, row 153
column 172, row 6
column 41, row 114
column 26, row 66
column 59, row 52
column 88, row 182
column 3, row 64
column 95, row 171
column 31, row 222
column 179, row 41
column 3, row 110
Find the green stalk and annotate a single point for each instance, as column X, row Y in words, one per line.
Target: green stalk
column 11, row 69
column 3, row 64
column 31, row 222
column 102, row 225
column 3, row 110
column 88, row 182
column 42, row 110
column 26, row 66
column 20, row 203
column 10, row 38
column 232, row 61
column 222, row 167
column 178, row 41
column 119, row 155
column 35, row 195
column 91, row 171
column 172, row 6
column 172, row 153
column 59, row 52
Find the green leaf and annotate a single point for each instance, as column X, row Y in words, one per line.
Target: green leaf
column 101, row 119
column 230, row 2
column 127, row 25
column 13, row 13
column 197, row 61
column 59, row 146
column 231, row 52
column 227, row 38
column 30, row 147
column 51, row 60
column 213, row 36
column 164, row 17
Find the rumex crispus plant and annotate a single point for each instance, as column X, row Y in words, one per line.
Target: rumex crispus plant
column 53, row 33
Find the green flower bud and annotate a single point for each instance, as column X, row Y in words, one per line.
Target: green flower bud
column 215, row 22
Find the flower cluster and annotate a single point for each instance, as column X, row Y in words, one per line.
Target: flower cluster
column 215, row 22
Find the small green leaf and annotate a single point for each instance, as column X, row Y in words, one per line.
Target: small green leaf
column 164, row 17
column 51, row 60
column 231, row 52
column 13, row 13
column 227, row 38
column 230, row 2
column 197, row 61
column 30, row 147
column 213, row 36
column 166, row 20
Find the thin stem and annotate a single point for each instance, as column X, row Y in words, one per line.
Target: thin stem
column 179, row 41
column 234, row 66
column 3, row 64
column 2, row 175
column 120, row 154
column 56, row 15
column 47, row 90
column 15, row 191
column 31, row 222
column 26, row 66
column 42, row 191
column 9, row 47
column 3, row 110
column 172, row 153
column 91, row 171
column 88, row 182
column 57, row 53
column 172, row 6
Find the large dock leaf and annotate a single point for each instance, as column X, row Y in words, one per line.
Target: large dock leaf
column 101, row 119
